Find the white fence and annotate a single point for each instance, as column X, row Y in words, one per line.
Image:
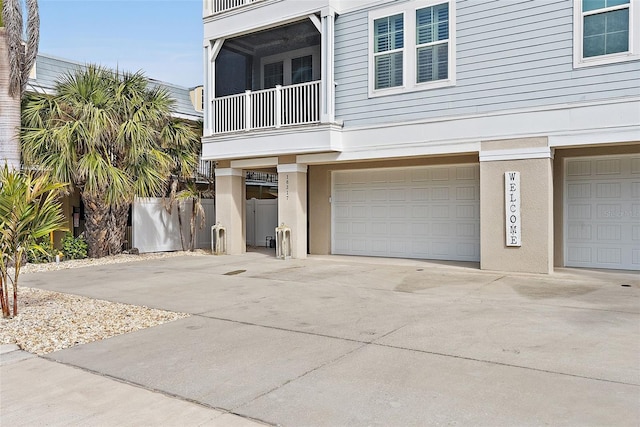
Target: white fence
column 155, row 230
column 269, row 108
column 262, row 219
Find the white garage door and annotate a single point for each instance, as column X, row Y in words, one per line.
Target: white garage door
column 423, row 212
column 602, row 212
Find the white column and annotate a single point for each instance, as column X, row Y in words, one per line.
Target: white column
column 205, row 93
column 231, row 207
column 327, row 89
column 292, row 205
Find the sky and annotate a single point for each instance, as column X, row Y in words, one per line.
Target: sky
column 162, row 38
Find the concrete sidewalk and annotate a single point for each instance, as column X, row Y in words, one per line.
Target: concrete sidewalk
column 336, row 341
column 39, row 392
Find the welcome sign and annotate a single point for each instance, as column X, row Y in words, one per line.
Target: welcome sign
column 512, row 208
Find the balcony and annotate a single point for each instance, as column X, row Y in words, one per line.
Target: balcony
column 213, row 7
column 269, row 108
column 271, row 91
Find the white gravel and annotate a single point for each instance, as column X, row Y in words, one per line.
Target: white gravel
column 50, row 321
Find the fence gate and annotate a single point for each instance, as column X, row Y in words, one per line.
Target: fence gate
column 262, row 219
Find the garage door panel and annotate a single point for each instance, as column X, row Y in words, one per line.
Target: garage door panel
column 420, row 195
column 601, row 216
column 609, row 190
column 466, row 193
column 467, row 212
column 467, row 250
column 440, row 174
column 579, row 191
column 425, row 212
column 609, row 167
column 419, row 175
column 611, row 256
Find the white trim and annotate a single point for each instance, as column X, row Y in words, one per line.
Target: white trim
column 612, row 135
column 394, row 152
column 273, row 142
column 408, row 10
column 216, row 46
column 229, row 172
column 292, row 168
column 515, row 111
column 516, row 154
column 316, row 21
column 634, row 36
column 255, row 163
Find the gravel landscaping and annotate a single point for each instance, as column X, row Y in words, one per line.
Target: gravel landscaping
column 51, row 321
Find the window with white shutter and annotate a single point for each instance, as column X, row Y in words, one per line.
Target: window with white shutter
column 389, row 51
column 432, row 41
column 411, row 47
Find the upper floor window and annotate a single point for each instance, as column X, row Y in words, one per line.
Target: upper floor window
column 411, row 47
column 273, row 74
column 290, row 67
column 605, row 31
column 432, row 40
column 302, row 69
column 388, row 35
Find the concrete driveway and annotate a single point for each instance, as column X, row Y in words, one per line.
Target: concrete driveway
column 337, row 341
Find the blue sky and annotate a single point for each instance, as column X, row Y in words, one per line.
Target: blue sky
column 161, row 38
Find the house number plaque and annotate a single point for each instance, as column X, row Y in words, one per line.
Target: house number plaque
column 512, row 208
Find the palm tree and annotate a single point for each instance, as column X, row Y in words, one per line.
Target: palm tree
column 16, row 61
column 106, row 133
column 192, row 195
column 29, row 210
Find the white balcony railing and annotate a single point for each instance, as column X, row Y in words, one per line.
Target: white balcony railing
column 271, row 108
column 212, row 7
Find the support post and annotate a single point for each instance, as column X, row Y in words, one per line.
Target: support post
column 292, row 205
column 231, row 208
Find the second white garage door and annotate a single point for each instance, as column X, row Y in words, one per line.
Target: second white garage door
column 602, row 212
column 422, row 212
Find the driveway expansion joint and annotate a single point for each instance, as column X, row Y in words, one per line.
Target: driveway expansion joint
column 375, row 342
column 223, row 411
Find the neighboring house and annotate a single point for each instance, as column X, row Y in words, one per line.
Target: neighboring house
column 392, row 124
column 47, row 71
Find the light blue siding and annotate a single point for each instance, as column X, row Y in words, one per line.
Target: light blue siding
column 509, row 55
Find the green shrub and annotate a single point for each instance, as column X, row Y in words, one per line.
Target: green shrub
column 74, row 247
column 40, row 252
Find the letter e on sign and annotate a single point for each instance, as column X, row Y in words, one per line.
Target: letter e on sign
column 512, row 209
